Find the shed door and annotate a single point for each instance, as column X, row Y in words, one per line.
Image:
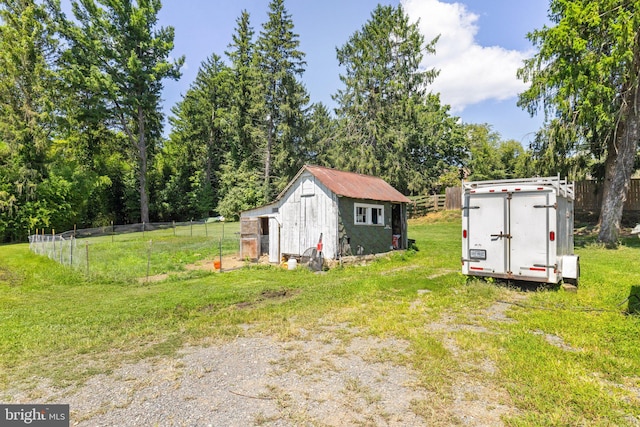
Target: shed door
column 274, row 240
column 309, row 224
column 249, row 238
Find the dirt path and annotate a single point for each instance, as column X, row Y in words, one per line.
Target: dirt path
column 229, row 262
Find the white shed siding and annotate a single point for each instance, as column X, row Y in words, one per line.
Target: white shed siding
column 262, row 211
column 307, row 210
column 274, row 240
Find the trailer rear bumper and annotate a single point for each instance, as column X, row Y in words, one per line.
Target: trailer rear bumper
column 516, row 277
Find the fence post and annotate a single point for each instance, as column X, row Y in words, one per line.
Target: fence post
column 149, row 258
column 191, row 228
column 86, row 245
column 206, row 234
column 113, row 231
column 174, row 228
column 71, row 251
column 143, row 230
column 53, row 237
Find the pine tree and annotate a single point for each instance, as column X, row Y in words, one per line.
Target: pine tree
column 282, row 120
column 387, row 120
column 198, row 144
column 28, row 50
column 240, row 183
column 247, row 101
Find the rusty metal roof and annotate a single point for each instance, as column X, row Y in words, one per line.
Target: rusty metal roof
column 354, row 185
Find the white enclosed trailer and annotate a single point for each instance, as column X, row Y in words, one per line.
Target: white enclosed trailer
column 519, row 229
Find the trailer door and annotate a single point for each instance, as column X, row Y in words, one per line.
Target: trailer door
column 488, row 233
column 529, row 229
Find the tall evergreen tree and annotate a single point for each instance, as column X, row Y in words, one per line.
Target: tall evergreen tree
column 320, row 138
column 241, row 186
column 28, row 51
column 280, row 64
column 119, row 56
column 386, row 117
column 198, row 144
column 247, row 102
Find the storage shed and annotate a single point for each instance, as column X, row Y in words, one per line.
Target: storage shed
column 340, row 213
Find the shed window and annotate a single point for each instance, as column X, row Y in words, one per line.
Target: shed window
column 376, row 216
column 368, row 214
column 361, row 215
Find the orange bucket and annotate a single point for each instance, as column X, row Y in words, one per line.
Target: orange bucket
column 216, row 265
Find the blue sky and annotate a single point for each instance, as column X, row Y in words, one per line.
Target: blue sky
column 481, row 45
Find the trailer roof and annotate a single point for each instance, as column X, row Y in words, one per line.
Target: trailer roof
column 561, row 186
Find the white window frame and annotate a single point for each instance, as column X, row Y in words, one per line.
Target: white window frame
column 367, row 215
column 360, row 215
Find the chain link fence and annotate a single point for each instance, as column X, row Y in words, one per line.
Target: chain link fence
column 134, row 251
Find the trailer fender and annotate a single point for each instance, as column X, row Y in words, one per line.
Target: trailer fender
column 571, row 269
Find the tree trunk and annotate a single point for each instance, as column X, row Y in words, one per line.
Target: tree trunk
column 267, row 160
column 621, row 154
column 142, row 178
column 210, row 145
column 618, row 171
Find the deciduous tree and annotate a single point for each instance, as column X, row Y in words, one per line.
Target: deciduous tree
column 119, row 56
column 586, row 75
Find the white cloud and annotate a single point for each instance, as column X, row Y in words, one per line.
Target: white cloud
column 469, row 73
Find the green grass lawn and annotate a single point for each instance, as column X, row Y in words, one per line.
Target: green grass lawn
column 561, row 358
column 132, row 256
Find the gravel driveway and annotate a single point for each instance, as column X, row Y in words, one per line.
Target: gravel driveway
column 250, row 382
column 256, row 381
column 335, row 376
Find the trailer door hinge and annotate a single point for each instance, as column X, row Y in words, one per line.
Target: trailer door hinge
column 554, row 266
column 470, row 207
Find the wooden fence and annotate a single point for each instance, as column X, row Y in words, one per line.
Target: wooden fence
column 588, row 199
column 422, row 205
column 589, row 196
